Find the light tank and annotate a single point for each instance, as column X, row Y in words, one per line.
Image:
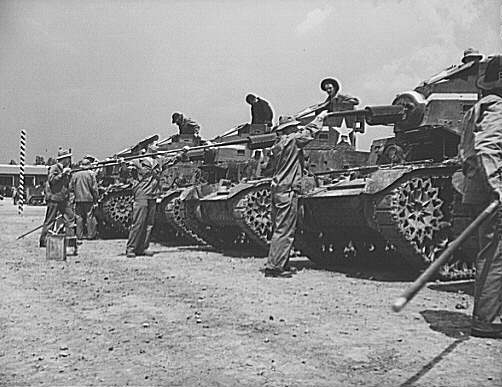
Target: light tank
column 245, row 207
column 406, row 205
column 222, row 169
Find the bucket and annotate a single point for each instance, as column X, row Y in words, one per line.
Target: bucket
column 56, row 247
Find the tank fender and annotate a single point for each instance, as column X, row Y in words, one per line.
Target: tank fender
column 381, row 179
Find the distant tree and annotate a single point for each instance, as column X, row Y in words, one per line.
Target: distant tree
column 51, row 161
column 39, row 160
column 12, row 162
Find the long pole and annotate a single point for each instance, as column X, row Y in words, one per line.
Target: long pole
column 421, row 281
column 22, row 158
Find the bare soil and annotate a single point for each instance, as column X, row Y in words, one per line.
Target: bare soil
column 196, row 317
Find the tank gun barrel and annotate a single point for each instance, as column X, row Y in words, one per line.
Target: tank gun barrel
column 376, row 114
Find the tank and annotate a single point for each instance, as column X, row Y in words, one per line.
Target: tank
column 223, row 168
column 404, row 206
column 116, row 196
column 243, row 208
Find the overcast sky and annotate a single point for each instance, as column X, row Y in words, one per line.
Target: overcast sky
column 100, row 75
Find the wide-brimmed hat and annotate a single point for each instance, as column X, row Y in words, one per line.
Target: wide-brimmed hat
column 91, row 158
column 327, row 81
column 492, row 77
column 471, row 54
column 85, row 161
column 63, row 154
column 284, row 122
column 176, row 116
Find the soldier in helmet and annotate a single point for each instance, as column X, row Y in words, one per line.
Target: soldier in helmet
column 57, row 195
column 287, row 165
column 336, row 102
column 481, row 153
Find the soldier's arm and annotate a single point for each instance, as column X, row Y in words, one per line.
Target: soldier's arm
column 54, row 174
column 324, row 108
column 349, row 99
column 304, row 136
column 193, row 124
column 94, row 188
column 488, row 145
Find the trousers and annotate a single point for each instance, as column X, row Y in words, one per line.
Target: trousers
column 284, row 217
column 488, row 286
column 140, row 233
column 86, row 221
column 53, row 209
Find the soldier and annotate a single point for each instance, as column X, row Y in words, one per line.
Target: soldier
column 338, row 102
column 481, row 153
column 146, row 173
column 287, row 161
column 335, row 102
column 57, row 195
column 186, row 125
column 85, row 190
column 261, row 112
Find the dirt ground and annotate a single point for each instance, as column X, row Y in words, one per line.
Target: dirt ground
column 191, row 316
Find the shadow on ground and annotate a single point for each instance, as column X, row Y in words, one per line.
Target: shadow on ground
column 452, row 324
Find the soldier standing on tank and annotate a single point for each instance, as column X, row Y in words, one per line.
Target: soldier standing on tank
column 261, row 112
column 186, row 125
column 146, row 173
column 57, row 196
column 287, row 162
column 338, row 102
column 84, row 186
column 481, row 153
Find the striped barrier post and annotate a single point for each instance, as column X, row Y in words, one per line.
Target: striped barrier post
column 22, row 159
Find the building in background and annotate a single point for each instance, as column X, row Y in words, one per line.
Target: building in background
column 35, row 177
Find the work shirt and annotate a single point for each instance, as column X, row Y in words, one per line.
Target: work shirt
column 146, row 182
column 288, row 159
column 189, row 126
column 261, row 112
column 339, row 103
column 84, row 186
column 480, row 150
column 57, row 185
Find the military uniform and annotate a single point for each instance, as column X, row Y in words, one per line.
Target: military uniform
column 189, row 126
column 481, row 153
column 288, row 162
column 339, row 102
column 85, row 189
column 146, row 187
column 261, row 112
column 57, row 196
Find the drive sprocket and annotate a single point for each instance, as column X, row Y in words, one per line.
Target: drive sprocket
column 417, row 209
column 117, row 211
column 253, row 212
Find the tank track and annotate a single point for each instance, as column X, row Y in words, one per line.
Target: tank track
column 175, row 215
column 253, row 214
column 417, row 219
column 116, row 209
column 164, row 231
column 222, row 238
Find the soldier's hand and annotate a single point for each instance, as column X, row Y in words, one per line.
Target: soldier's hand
column 67, row 171
column 323, row 114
